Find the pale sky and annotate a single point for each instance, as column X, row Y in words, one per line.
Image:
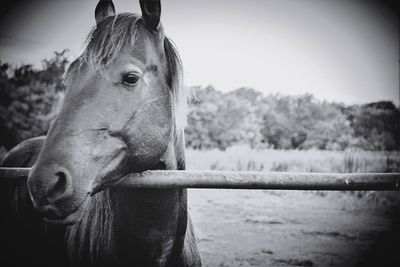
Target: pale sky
column 339, row 50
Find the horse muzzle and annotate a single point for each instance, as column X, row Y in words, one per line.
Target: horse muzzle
column 65, row 176
column 54, row 194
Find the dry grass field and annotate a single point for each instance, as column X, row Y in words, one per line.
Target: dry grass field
column 295, row 228
column 243, row 158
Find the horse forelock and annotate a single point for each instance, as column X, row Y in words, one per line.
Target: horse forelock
column 107, row 39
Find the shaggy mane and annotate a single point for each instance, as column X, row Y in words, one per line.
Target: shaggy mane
column 93, row 235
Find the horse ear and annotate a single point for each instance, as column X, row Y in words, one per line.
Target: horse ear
column 151, row 12
column 104, row 9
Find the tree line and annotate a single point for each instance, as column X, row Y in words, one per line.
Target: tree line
column 29, row 100
column 246, row 116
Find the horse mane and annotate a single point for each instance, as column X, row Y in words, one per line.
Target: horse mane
column 91, row 239
column 93, row 235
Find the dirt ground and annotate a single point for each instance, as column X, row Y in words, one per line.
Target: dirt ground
column 296, row 228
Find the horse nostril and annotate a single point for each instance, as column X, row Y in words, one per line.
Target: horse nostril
column 61, row 182
column 59, row 188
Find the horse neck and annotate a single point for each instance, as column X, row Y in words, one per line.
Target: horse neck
column 142, row 226
column 150, row 225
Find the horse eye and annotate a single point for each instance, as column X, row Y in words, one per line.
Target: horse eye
column 130, row 79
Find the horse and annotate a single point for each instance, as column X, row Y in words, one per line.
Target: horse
column 122, row 113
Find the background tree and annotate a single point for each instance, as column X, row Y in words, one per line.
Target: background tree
column 28, row 97
column 376, row 125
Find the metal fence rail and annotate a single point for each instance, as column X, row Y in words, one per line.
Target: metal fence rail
column 243, row 180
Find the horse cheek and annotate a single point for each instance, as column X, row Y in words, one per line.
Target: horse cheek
column 151, row 136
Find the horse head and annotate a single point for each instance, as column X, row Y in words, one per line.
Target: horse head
column 118, row 114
